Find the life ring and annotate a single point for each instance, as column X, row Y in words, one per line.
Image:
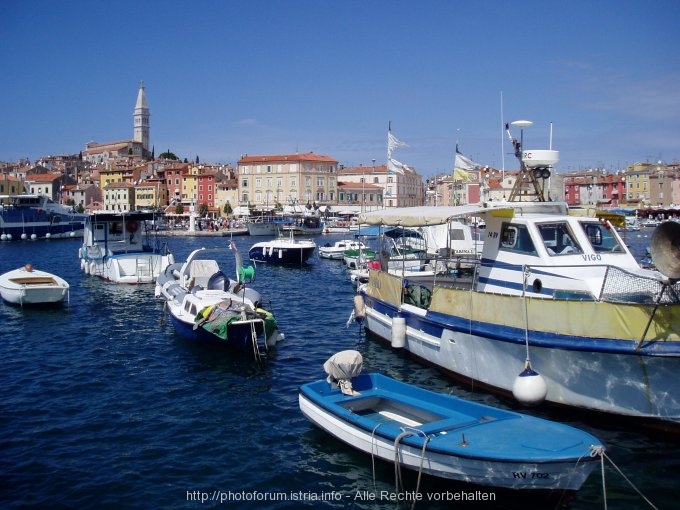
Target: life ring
column 131, row 226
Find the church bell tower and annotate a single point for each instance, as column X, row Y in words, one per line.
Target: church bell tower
column 141, row 119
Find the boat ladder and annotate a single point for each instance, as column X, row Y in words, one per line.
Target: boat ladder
column 143, row 267
column 259, row 350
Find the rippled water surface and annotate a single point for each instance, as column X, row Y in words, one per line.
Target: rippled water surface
column 103, row 405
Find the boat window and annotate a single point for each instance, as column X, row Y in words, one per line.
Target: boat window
column 601, row 237
column 457, row 234
column 116, row 227
column 517, row 238
column 558, row 238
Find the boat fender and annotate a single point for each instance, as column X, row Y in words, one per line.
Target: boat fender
column 171, row 259
column 359, row 308
column 93, row 268
column 529, row 387
column 131, row 226
column 398, row 332
column 80, row 253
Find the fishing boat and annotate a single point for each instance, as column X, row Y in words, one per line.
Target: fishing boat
column 263, row 227
column 206, row 305
column 284, row 250
column 556, row 298
column 336, row 250
column 123, row 248
column 306, row 224
column 337, row 225
column 29, row 286
column 445, row 436
column 37, row 217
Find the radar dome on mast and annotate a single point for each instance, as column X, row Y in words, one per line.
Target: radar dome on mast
column 540, row 158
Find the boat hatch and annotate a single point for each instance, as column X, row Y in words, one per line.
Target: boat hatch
column 385, row 410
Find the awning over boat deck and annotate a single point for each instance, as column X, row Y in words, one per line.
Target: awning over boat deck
column 418, row 216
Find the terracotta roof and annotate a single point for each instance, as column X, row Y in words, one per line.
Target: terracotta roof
column 308, row 156
column 495, row 184
column 43, row 177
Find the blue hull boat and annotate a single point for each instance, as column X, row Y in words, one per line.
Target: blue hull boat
column 37, row 217
column 283, row 251
column 238, row 334
column 448, row 437
column 206, row 305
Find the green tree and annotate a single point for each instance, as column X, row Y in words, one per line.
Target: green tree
column 227, row 208
column 168, row 155
column 179, row 209
column 203, row 210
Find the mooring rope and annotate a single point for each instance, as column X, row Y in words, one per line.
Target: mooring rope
column 397, row 466
column 599, row 450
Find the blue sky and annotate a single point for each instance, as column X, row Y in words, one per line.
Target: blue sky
column 226, row 78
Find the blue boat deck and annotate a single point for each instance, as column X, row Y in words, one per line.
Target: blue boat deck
column 385, row 408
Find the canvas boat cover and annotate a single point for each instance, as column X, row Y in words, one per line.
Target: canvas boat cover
column 341, row 367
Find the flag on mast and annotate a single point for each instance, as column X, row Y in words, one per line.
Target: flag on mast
column 393, row 143
column 462, row 167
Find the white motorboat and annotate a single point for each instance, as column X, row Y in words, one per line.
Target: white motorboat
column 29, row 286
column 336, row 250
column 121, row 249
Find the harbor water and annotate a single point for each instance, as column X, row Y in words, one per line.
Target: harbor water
column 104, row 406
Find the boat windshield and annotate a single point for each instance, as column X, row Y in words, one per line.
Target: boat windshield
column 601, row 237
column 558, row 238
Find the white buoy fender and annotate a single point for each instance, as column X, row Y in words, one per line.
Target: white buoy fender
column 93, row 267
column 398, row 332
column 85, row 266
column 80, row 252
column 34, row 237
column 359, row 308
column 171, row 259
column 529, row 387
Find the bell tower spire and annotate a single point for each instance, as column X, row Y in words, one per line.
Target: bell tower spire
column 141, row 119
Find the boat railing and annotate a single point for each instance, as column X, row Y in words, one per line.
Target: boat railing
column 619, row 285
